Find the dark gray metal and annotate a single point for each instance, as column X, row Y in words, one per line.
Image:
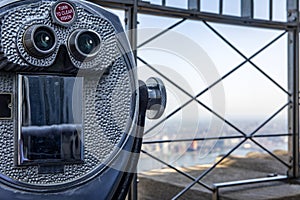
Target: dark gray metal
column 270, row 10
column 251, row 181
column 157, row 98
column 133, row 193
column 293, row 86
column 131, row 25
column 145, row 7
column 216, row 138
column 194, row 5
column 247, row 8
column 233, row 20
column 131, row 19
column 220, row 7
column 217, row 186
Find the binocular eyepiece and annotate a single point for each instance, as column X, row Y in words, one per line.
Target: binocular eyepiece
column 40, row 41
column 84, row 44
column 72, row 110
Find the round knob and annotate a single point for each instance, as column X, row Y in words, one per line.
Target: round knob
column 157, row 98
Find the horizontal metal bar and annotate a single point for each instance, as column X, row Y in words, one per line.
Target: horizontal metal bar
column 216, row 138
column 272, row 135
column 250, row 181
column 159, row 10
column 192, row 139
column 118, row 4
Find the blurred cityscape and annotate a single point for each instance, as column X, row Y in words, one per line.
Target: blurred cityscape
column 189, row 153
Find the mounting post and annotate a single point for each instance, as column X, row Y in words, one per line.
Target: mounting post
column 131, row 15
column 247, row 8
column 131, row 25
column 293, row 87
column 194, row 5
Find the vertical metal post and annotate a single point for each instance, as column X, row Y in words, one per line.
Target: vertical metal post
column 221, row 7
column 131, row 26
column 194, row 5
column 133, row 193
column 215, row 194
column 270, row 10
column 247, row 8
column 293, row 86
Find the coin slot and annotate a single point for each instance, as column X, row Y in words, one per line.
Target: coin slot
column 5, row 106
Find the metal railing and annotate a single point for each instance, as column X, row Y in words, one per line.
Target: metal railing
column 193, row 11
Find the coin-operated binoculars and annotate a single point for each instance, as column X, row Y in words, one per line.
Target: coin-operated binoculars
column 72, row 110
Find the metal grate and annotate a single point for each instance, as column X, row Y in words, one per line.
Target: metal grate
column 193, row 11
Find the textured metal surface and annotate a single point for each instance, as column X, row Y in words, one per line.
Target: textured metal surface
column 107, row 108
column 108, row 104
column 18, row 20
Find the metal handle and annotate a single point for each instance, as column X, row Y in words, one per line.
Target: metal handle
column 157, row 98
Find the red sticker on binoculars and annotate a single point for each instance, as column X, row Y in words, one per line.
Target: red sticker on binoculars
column 64, row 13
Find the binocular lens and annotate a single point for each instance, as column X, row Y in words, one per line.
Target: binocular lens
column 39, row 41
column 44, row 39
column 84, row 44
column 88, row 42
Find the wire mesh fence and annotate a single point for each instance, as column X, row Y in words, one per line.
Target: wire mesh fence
column 261, row 114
